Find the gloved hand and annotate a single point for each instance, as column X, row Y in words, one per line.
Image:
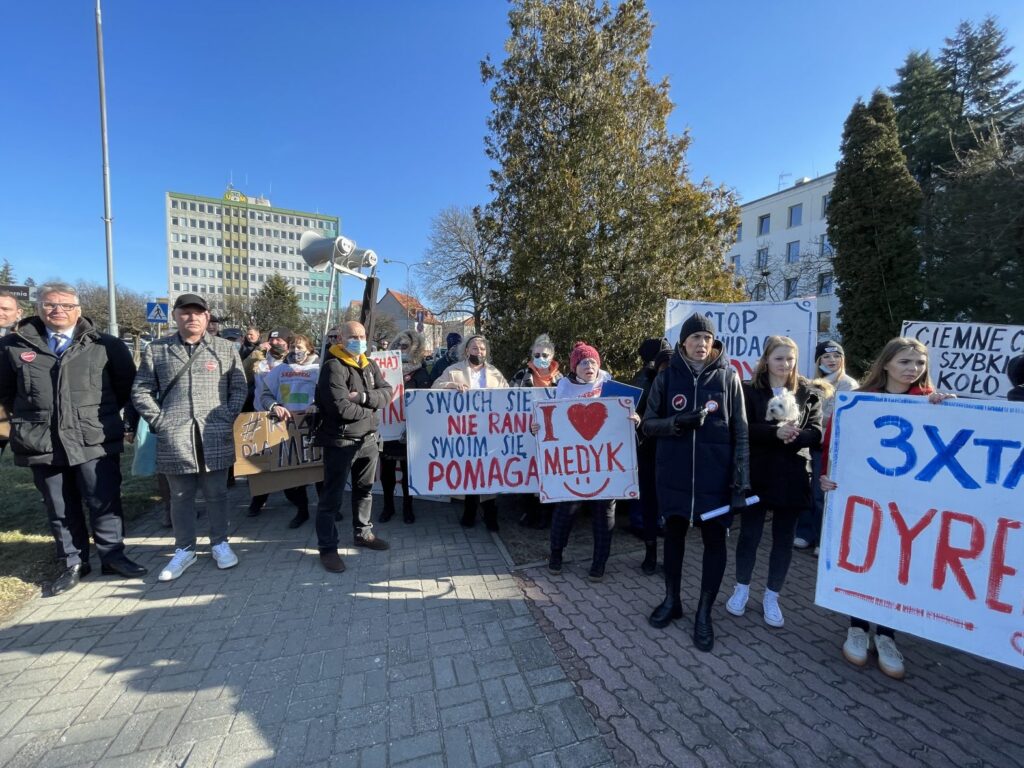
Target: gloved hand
column 739, row 500
column 692, row 420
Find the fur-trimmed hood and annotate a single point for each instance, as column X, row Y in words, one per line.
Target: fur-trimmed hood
column 417, row 345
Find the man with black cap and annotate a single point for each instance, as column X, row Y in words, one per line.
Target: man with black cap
column 64, row 384
column 190, row 388
column 695, row 409
column 452, row 341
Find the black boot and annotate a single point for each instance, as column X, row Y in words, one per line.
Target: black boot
column 555, row 561
column 703, row 632
column 491, row 514
column 650, row 563
column 407, row 514
column 469, row 504
column 389, row 511
column 672, row 607
column 301, row 516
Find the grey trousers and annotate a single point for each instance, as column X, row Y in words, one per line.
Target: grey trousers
column 183, row 506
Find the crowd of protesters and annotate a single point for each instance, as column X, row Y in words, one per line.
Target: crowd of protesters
column 71, row 397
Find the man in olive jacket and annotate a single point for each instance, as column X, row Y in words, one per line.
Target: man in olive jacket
column 350, row 394
column 64, row 384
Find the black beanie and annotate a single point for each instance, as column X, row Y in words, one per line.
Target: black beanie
column 824, row 347
column 1015, row 370
column 649, row 349
column 696, row 323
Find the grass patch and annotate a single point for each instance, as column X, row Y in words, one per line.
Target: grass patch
column 27, row 555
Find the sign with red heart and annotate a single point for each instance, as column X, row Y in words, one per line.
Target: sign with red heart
column 587, row 419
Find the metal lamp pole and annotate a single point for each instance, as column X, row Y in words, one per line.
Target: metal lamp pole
column 107, row 216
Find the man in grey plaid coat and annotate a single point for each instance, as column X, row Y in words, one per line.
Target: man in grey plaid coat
column 190, row 387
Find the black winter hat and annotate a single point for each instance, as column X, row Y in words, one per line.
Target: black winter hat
column 696, row 323
column 649, row 349
column 1015, row 370
column 824, row 347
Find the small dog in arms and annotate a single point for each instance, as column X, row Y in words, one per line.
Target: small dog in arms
column 783, row 408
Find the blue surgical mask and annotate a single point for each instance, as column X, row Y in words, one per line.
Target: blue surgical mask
column 356, row 347
column 542, row 362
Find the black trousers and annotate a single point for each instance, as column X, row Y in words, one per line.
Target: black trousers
column 358, row 458
column 602, row 519
column 713, row 566
column 751, row 530
column 68, row 491
column 299, row 496
column 390, row 467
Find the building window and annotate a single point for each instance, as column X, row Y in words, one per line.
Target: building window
column 824, row 247
column 824, row 322
column 825, row 201
column 791, row 287
column 736, row 263
column 739, row 232
column 174, row 204
column 793, row 252
column 759, row 291
column 764, row 224
column 796, row 215
column 762, row 258
column 825, row 283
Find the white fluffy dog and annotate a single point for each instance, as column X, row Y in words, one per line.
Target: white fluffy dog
column 783, row 408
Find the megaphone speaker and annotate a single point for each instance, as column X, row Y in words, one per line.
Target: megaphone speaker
column 319, row 251
column 362, row 257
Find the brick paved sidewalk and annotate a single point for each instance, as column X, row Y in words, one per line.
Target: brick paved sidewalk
column 425, row 655
column 766, row 697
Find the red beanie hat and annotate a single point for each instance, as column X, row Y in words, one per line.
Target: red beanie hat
column 582, row 351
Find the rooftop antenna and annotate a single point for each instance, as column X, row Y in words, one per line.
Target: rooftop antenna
column 231, row 179
column 782, row 178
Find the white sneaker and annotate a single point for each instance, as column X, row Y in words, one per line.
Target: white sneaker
column 890, row 660
column 772, row 611
column 737, row 604
column 799, row 543
column 182, row 559
column 817, row 551
column 855, row 649
column 223, row 555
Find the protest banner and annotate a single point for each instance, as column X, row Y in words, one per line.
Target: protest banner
column 925, row 532
column 392, row 418
column 743, row 327
column 601, row 388
column 475, row 442
column 968, row 359
column 275, row 454
column 293, row 385
column 586, row 450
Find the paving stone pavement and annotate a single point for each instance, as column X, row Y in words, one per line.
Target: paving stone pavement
column 424, row 655
column 765, row 697
column 436, row 654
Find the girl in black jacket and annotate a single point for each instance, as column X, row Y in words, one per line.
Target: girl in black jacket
column 779, row 470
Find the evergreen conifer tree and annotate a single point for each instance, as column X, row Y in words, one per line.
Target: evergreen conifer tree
column 277, row 305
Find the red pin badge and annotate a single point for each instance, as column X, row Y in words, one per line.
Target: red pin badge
column 211, row 366
column 28, row 357
column 711, row 406
column 679, row 402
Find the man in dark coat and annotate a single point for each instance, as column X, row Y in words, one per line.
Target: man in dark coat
column 350, row 394
column 695, row 409
column 65, row 384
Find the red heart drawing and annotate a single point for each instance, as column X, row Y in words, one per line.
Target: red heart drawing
column 1017, row 641
column 588, row 419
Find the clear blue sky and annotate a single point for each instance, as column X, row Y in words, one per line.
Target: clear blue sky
column 375, row 112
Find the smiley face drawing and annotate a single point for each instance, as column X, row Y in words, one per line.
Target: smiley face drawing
column 584, row 480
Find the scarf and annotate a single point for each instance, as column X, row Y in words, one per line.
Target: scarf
column 346, row 357
column 543, row 378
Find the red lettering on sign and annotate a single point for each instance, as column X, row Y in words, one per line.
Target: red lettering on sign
column 508, row 423
column 496, row 473
column 907, row 536
column 549, row 428
column 844, row 543
column 949, row 557
column 462, row 425
column 998, row 569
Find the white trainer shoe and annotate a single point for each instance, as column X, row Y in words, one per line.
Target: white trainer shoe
column 772, row 611
column 223, row 555
column 737, row 604
column 855, row 649
column 799, row 543
column 182, row 559
column 890, row 660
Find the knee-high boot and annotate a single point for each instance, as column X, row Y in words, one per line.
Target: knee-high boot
column 672, row 607
column 703, row 631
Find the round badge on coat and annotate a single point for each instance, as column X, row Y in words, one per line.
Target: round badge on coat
column 679, row 402
column 711, row 406
column 211, row 366
column 28, row 357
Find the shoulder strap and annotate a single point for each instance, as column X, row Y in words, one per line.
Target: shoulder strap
column 180, row 373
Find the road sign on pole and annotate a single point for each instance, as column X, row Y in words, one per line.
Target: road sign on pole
column 20, row 292
column 156, row 312
column 419, row 320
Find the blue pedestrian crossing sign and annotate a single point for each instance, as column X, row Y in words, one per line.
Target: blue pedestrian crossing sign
column 156, row 312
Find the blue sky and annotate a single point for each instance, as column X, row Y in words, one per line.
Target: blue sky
column 375, row 112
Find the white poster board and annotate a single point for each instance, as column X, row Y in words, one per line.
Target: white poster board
column 475, row 442
column 392, row 418
column 293, row 386
column 968, row 358
column 925, row 533
column 743, row 327
column 586, row 450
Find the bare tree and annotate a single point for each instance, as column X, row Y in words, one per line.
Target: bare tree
column 454, row 277
column 774, row 275
column 238, row 310
column 131, row 308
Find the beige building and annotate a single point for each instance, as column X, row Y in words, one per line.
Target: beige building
column 229, row 246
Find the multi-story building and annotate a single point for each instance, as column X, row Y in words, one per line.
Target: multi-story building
column 782, row 249
column 228, row 247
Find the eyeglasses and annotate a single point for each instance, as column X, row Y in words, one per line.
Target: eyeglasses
column 332, row 336
column 50, row 307
column 541, row 355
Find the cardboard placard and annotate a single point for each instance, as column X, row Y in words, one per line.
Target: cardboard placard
column 276, row 454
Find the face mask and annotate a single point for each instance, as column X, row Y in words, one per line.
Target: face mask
column 356, row 347
column 542, row 362
column 278, row 352
column 477, row 359
column 299, row 355
column 825, row 370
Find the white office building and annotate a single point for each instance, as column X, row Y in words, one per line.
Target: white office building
column 782, row 249
column 229, row 246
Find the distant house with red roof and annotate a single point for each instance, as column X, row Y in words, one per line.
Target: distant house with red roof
column 408, row 312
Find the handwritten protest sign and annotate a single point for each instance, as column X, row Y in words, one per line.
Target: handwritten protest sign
column 294, row 386
column 586, row 450
column 475, row 442
column 392, row 418
column 275, row 455
column 743, row 327
column 926, row 530
column 968, row 358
